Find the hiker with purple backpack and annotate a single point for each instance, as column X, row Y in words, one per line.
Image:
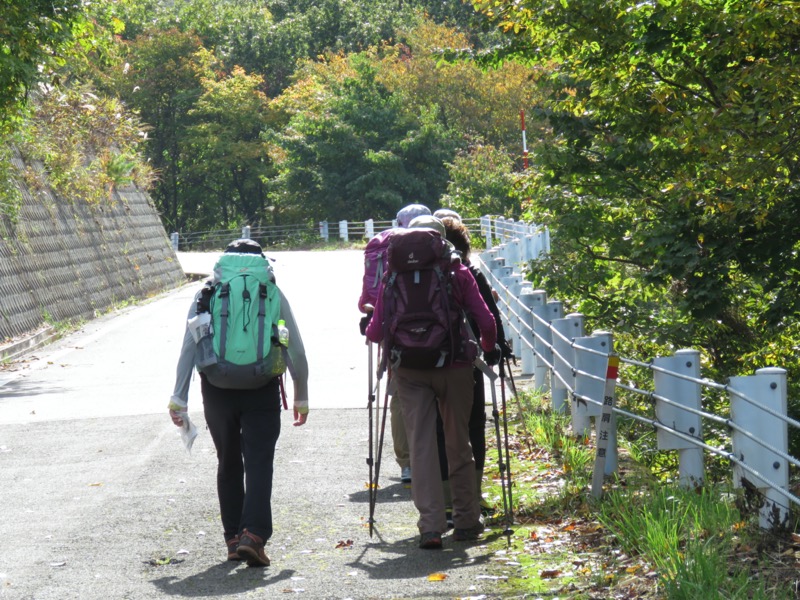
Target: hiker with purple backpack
column 419, row 317
column 458, row 235
column 374, row 266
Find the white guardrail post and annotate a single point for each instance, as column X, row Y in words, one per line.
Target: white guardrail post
column 565, row 331
column 684, row 393
column 323, row 230
column 538, row 308
column 555, row 310
column 528, row 298
column 768, row 388
column 369, row 229
column 343, row 230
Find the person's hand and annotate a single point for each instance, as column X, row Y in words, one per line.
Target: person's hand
column 177, row 417
column 300, row 418
column 362, row 324
column 492, row 357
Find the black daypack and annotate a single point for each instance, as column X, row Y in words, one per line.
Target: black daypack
column 423, row 326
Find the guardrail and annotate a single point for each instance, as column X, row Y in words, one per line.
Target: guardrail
column 493, row 229
column 585, row 376
column 202, row 241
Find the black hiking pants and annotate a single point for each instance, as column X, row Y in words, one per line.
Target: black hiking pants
column 245, row 425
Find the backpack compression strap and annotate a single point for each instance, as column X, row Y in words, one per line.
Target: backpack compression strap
column 262, row 317
column 224, row 296
column 379, row 271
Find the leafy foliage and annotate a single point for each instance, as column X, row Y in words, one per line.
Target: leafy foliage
column 354, row 142
column 88, row 144
column 482, row 182
column 34, row 35
column 669, row 164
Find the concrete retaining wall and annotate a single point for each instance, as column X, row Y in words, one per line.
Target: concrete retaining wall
column 65, row 259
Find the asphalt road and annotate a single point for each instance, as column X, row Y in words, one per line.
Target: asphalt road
column 100, row 500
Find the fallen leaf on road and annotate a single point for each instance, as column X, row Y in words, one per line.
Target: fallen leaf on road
column 633, row 568
column 95, row 484
column 437, row 577
column 344, row 544
column 550, row 573
column 58, row 564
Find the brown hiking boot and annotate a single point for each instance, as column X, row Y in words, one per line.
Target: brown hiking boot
column 233, row 545
column 430, row 540
column 468, row 534
column 251, row 549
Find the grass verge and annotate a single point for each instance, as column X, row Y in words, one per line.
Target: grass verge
column 642, row 539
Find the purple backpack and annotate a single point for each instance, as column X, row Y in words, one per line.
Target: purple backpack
column 375, row 259
column 424, row 327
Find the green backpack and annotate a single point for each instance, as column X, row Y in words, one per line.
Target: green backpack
column 245, row 308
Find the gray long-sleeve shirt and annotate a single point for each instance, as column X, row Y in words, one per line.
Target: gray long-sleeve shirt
column 297, row 363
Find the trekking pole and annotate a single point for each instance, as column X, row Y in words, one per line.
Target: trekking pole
column 509, row 515
column 505, row 482
column 370, row 461
column 512, row 384
column 374, row 486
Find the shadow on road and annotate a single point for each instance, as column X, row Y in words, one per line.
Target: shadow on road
column 411, row 562
column 223, row 579
column 397, row 492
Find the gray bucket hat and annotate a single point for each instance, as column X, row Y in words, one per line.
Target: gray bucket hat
column 428, row 221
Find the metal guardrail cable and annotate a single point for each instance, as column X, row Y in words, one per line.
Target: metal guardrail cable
column 564, row 382
column 653, row 396
column 760, row 406
column 712, row 417
column 715, row 386
column 586, row 399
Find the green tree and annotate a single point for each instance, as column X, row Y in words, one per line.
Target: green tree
column 483, row 104
column 670, row 162
column 36, row 37
column 482, row 182
column 352, row 150
column 227, row 162
column 161, row 80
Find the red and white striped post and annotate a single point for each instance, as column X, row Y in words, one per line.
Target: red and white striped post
column 524, row 141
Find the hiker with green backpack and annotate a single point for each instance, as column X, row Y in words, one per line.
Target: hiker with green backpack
column 241, row 336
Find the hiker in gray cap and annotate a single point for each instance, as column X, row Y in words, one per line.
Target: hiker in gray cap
column 439, row 376
column 446, row 212
column 374, row 267
column 406, row 214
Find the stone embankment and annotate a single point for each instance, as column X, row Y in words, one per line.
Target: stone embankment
column 64, row 260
